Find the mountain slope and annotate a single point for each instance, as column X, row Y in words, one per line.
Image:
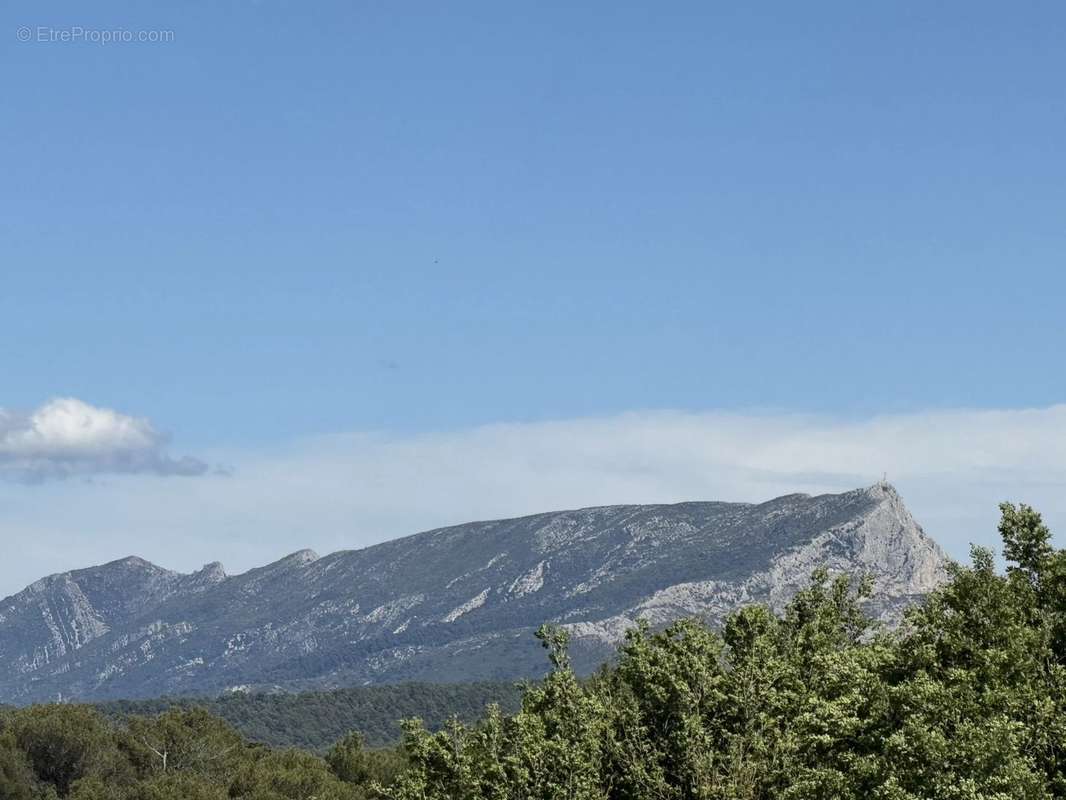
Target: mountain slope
column 458, row 603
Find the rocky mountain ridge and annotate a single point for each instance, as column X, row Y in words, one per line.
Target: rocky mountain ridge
column 457, row 603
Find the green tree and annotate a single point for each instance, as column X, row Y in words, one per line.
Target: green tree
column 349, row 761
column 666, row 695
column 16, row 777
column 64, row 743
column 288, row 775
column 186, row 741
column 1026, row 539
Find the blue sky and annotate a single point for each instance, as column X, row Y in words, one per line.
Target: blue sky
column 299, row 221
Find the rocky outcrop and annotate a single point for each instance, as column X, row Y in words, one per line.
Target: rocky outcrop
column 451, row 604
column 884, row 542
column 44, row 627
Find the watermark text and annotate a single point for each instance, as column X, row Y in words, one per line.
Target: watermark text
column 78, row 34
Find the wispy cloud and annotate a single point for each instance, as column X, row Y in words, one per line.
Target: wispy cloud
column 351, row 490
column 67, row 438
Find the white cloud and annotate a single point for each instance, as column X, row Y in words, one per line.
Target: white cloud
column 67, row 438
column 351, row 490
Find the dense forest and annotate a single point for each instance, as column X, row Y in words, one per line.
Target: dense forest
column 965, row 701
column 316, row 720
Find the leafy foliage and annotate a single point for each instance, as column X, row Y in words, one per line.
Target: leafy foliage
column 70, row 751
column 315, row 720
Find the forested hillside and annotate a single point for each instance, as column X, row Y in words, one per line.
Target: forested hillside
column 316, row 720
column 966, row 701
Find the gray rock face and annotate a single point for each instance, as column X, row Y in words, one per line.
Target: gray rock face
column 457, row 603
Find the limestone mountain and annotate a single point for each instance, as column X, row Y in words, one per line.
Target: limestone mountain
column 457, row 603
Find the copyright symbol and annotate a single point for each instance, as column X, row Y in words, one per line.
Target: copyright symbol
column 23, row 34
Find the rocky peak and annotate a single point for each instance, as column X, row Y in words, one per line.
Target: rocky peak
column 300, row 558
column 212, row 572
column 133, row 562
column 204, row 578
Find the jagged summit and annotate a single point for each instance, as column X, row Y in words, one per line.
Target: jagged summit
column 456, row 603
column 300, row 558
column 135, row 562
column 127, row 564
column 214, row 569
